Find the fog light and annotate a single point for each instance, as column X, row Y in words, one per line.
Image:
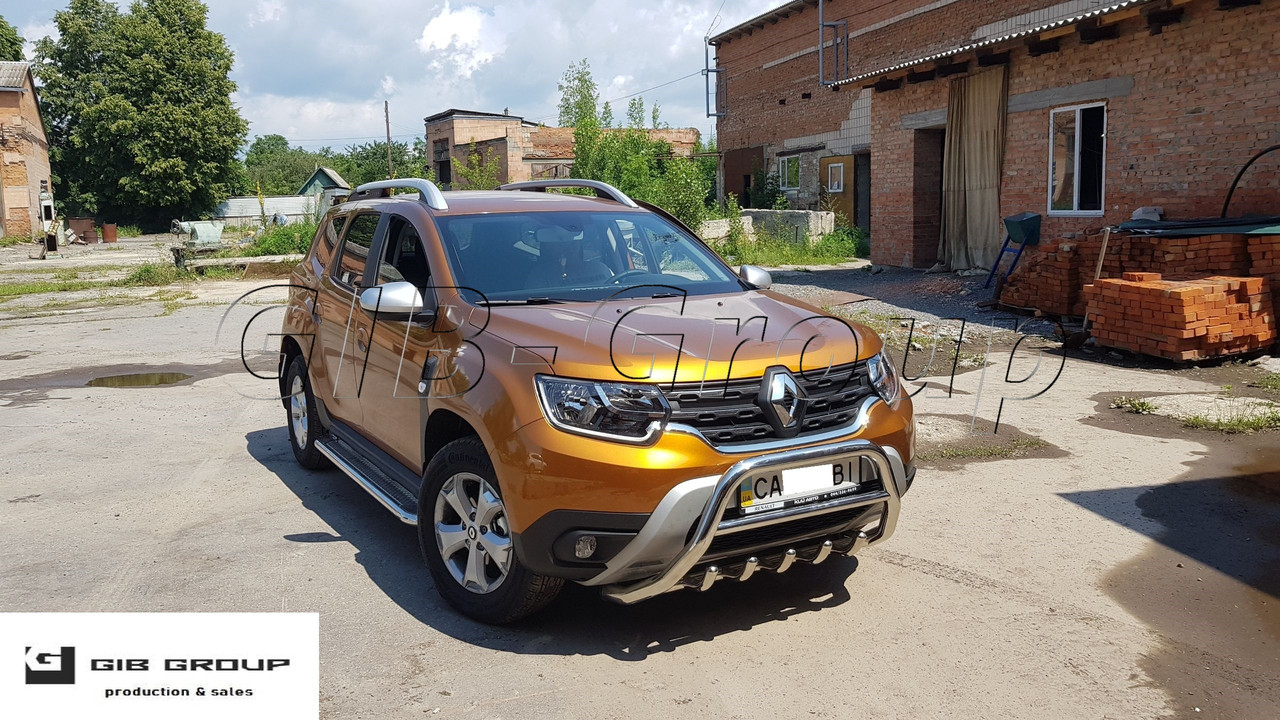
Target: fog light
column 585, row 547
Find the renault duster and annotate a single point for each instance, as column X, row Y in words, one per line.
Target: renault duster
column 573, row 387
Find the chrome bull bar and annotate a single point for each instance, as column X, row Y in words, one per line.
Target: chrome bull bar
column 710, row 522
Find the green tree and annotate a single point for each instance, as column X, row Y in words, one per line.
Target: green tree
column 631, row 158
column 480, row 171
column 359, row 164
column 606, row 116
column 635, row 113
column 141, row 125
column 579, row 96
column 280, row 169
column 10, row 41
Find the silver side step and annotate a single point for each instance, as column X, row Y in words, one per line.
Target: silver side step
column 383, row 489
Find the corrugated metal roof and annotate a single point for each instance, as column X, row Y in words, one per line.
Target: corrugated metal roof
column 995, row 40
column 759, row 21
column 13, row 75
column 247, row 206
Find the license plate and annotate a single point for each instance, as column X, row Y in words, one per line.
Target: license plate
column 777, row 489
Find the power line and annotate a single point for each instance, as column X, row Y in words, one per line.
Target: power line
column 638, row 92
column 714, row 19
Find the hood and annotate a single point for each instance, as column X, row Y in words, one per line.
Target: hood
column 708, row 337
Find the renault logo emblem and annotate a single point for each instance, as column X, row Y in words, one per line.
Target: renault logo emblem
column 783, row 401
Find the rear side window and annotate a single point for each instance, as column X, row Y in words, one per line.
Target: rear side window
column 329, row 234
column 355, row 249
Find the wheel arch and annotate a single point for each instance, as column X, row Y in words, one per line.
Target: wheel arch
column 289, row 349
column 443, row 427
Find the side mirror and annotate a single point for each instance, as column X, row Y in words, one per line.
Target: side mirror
column 397, row 300
column 756, row 277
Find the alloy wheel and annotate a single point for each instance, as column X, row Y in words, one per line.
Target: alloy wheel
column 298, row 411
column 472, row 533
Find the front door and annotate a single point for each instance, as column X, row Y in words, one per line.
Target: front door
column 400, row 349
column 837, row 182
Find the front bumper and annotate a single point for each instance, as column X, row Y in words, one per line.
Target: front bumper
column 672, row 548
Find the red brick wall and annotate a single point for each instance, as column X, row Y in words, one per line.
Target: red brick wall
column 1206, row 96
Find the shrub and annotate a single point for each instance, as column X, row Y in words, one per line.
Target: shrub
column 283, row 240
column 128, row 231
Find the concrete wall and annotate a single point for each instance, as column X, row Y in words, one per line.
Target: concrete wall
column 717, row 231
column 803, row 224
column 24, row 162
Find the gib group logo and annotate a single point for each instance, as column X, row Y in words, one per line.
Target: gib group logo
column 161, row 665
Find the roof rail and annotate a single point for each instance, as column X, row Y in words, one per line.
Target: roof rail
column 427, row 190
column 603, row 190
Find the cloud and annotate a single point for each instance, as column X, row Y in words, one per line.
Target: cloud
column 321, row 70
column 459, row 40
column 267, row 11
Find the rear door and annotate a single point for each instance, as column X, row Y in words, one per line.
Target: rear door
column 344, row 326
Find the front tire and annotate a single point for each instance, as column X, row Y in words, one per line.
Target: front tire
column 466, row 542
column 304, row 427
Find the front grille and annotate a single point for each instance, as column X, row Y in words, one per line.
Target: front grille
column 726, row 412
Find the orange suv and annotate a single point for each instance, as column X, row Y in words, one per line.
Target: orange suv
column 558, row 387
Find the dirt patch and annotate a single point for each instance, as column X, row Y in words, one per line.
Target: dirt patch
column 1212, row 575
column 947, row 442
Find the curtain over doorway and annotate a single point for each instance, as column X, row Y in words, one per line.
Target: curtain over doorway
column 977, row 107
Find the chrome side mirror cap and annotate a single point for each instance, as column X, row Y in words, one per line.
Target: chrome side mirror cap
column 756, row 277
column 400, row 300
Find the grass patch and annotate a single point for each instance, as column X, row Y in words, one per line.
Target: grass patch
column 128, row 231
column 773, row 250
column 45, row 286
column 15, row 240
column 153, row 275
column 1007, row 450
column 1138, row 406
column 220, row 272
column 1270, row 381
column 1235, row 424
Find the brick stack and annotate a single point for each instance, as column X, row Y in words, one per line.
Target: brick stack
column 1053, row 280
column 1182, row 320
column 1264, row 259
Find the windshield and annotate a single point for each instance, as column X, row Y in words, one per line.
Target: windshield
column 578, row 256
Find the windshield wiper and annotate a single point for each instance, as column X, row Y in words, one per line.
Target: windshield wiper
column 525, row 301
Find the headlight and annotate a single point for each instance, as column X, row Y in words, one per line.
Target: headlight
column 884, row 378
column 613, row 411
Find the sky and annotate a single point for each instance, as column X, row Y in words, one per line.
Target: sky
column 318, row 71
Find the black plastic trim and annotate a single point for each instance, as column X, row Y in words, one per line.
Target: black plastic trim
column 536, row 545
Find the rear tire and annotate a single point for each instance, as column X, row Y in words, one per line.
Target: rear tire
column 303, row 420
column 465, row 540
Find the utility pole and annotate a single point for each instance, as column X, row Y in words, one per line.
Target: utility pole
column 386, row 112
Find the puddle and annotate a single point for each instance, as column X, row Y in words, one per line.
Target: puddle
column 35, row 389
column 138, row 380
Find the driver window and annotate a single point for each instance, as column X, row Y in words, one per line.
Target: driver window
column 404, row 258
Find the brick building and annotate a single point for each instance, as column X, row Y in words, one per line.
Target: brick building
column 526, row 150
column 1081, row 111
column 24, row 152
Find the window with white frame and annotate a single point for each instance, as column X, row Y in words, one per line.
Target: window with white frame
column 1077, row 157
column 789, row 172
column 835, row 178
